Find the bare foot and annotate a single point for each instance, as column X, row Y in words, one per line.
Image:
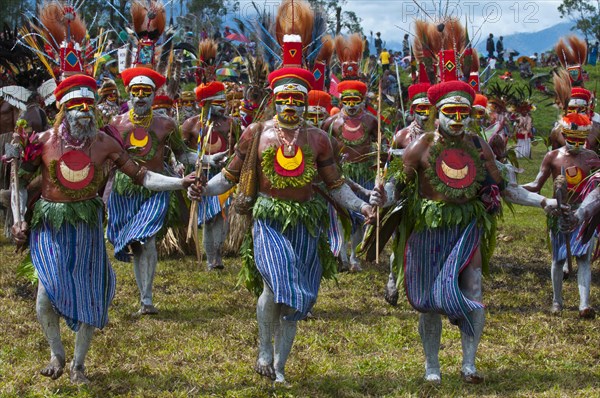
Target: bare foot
column 391, row 294
column 55, row 368
column 77, row 374
column 146, row 310
column 265, row 368
column 472, row 378
column 355, row 266
column 587, row 313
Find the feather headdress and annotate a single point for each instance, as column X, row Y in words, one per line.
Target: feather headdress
column 207, row 56
column 149, row 21
column 572, row 54
column 562, row 87
column 349, row 52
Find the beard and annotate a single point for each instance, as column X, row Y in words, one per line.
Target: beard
column 289, row 115
column 188, row 112
column 142, row 106
column 81, row 125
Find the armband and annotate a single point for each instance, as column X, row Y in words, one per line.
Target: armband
column 240, row 155
column 122, row 160
column 229, row 176
column 138, row 178
column 325, row 163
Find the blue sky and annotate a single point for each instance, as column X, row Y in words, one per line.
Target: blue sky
column 499, row 17
column 484, row 17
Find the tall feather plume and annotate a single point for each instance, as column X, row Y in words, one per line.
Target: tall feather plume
column 453, row 35
column 562, row 87
column 349, row 49
column 207, row 50
column 476, row 65
column 565, row 53
column 579, row 49
column 294, row 18
column 428, row 43
column 326, row 50
column 318, row 32
column 268, row 46
column 148, row 20
column 52, row 16
column 165, row 54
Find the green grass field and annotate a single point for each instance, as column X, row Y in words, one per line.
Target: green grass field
column 203, row 343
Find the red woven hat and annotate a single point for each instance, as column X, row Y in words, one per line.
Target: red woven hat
column 141, row 75
column 319, row 98
column 454, row 88
column 418, row 90
column 162, row 101
column 480, row 100
column 210, row 90
column 285, row 79
column 581, row 93
column 355, row 85
column 76, row 86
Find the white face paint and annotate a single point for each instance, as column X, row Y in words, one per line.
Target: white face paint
column 189, row 111
column 352, row 104
column 290, row 108
column 315, row 116
column 421, row 109
column 454, row 115
column 142, row 100
column 81, row 123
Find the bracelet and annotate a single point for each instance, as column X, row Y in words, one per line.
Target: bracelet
column 229, row 176
column 337, row 183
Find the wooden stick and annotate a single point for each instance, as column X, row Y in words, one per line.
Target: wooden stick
column 377, row 178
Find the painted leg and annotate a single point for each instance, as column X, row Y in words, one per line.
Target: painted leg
column 345, row 266
column 49, row 320
column 557, row 283
column 220, row 233
column 267, row 315
column 145, row 268
column 430, row 330
column 584, row 280
column 471, row 286
column 83, row 339
column 356, row 238
column 284, row 340
column 208, row 238
column 391, row 290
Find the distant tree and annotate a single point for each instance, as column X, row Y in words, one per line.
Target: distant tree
column 338, row 20
column 14, row 12
column 211, row 12
column 585, row 14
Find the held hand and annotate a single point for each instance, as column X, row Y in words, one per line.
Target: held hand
column 19, row 233
column 370, row 214
column 550, row 206
column 188, row 180
column 196, row 189
column 378, row 196
column 567, row 222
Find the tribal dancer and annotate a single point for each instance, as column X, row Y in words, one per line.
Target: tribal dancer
column 218, row 131
column 420, row 109
column 163, row 106
column 356, row 129
column 574, row 162
column 136, row 215
column 287, row 233
column 76, row 281
column 222, row 130
column 187, row 106
column 108, row 104
column 446, row 173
